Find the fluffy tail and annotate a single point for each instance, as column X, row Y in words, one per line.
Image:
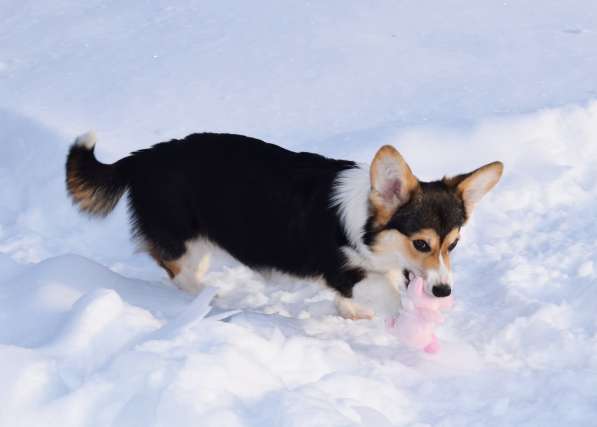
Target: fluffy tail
column 95, row 187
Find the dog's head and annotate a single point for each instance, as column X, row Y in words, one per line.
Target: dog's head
column 414, row 224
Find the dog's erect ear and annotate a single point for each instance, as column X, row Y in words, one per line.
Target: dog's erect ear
column 474, row 185
column 392, row 183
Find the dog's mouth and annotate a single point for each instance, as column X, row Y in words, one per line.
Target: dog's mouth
column 409, row 276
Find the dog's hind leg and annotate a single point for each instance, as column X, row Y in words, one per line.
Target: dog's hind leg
column 192, row 270
column 187, row 270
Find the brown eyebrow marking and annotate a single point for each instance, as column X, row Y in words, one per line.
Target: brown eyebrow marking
column 427, row 234
column 450, row 238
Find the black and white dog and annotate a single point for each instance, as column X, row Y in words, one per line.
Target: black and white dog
column 271, row 208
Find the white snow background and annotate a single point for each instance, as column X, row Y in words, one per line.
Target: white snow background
column 92, row 334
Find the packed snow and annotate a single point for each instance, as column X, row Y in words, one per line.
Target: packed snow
column 94, row 334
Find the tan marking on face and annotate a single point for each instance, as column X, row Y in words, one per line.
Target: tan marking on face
column 450, row 238
column 428, row 260
column 390, row 242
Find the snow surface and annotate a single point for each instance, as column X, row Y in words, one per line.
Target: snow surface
column 93, row 334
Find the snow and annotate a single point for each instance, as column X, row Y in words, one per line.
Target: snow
column 94, row 334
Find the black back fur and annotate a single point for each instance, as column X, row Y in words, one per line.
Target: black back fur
column 267, row 206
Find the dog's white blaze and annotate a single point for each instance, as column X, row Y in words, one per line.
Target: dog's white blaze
column 432, row 280
column 445, row 274
column 442, row 275
column 351, row 196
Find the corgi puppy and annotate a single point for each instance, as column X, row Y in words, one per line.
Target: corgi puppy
column 270, row 208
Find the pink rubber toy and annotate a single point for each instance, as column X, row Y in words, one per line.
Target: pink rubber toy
column 420, row 314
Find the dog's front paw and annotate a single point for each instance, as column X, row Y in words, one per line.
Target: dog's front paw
column 349, row 309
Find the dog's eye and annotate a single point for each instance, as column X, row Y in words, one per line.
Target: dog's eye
column 421, row 245
column 453, row 245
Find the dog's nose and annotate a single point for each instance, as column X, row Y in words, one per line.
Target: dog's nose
column 441, row 290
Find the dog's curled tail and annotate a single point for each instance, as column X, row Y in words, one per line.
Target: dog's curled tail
column 94, row 186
